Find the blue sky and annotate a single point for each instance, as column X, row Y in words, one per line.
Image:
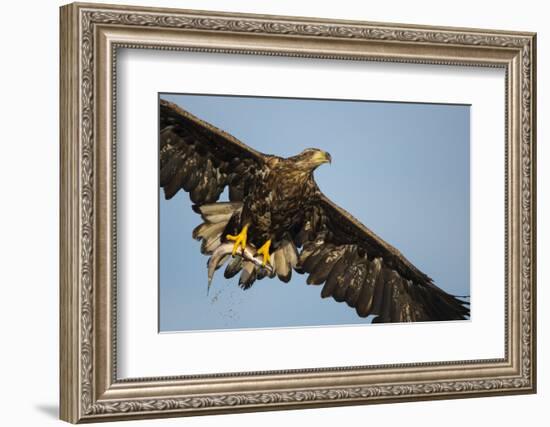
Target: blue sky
column 400, row 168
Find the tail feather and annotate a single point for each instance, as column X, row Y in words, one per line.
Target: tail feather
column 285, row 259
column 217, row 212
column 208, row 230
column 215, row 216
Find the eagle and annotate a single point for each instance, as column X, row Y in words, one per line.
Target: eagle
column 277, row 221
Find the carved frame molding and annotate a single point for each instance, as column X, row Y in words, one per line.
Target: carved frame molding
column 90, row 36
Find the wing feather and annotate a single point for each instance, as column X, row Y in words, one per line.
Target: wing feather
column 201, row 159
column 358, row 267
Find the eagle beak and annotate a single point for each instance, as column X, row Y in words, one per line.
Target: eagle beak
column 321, row 157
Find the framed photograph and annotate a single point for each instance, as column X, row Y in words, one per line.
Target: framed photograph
column 267, row 212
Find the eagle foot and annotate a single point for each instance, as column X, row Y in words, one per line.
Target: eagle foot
column 239, row 239
column 264, row 250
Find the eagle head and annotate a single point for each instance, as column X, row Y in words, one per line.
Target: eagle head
column 310, row 158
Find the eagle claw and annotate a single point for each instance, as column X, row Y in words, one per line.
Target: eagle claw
column 264, row 250
column 239, row 239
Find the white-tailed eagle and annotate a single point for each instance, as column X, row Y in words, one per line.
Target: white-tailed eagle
column 277, row 220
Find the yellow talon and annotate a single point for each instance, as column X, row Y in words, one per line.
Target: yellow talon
column 264, row 250
column 239, row 239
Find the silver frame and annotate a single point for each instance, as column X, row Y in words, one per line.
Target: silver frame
column 90, row 37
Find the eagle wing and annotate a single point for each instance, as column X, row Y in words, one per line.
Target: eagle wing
column 358, row 267
column 202, row 159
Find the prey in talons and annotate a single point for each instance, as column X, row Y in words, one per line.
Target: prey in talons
column 240, row 241
column 245, row 252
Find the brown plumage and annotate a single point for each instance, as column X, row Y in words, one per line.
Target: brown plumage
column 279, row 200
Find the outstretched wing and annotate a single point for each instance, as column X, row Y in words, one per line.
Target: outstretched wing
column 202, row 159
column 358, row 267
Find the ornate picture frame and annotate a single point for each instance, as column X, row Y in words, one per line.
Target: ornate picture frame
column 91, row 35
